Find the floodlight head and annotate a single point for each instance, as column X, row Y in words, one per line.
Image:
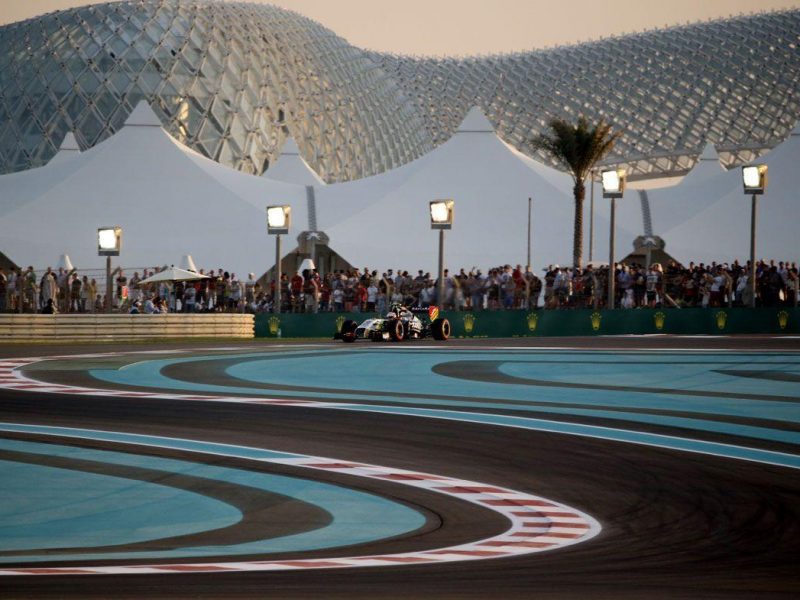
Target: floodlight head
column 613, row 183
column 754, row 178
column 442, row 214
column 109, row 241
column 279, row 219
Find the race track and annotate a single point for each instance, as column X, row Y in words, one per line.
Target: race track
column 605, row 468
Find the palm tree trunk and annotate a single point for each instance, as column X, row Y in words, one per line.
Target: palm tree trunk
column 579, row 191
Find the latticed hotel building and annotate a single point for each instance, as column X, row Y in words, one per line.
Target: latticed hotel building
column 232, row 80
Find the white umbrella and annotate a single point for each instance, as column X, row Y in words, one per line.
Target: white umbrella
column 173, row 274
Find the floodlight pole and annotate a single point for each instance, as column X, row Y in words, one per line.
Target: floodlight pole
column 612, row 279
column 440, row 287
column 109, row 283
column 752, row 281
column 277, row 297
column 591, row 217
column 530, row 201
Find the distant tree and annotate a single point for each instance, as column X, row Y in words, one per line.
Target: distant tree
column 578, row 148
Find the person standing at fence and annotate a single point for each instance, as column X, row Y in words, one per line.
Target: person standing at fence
column 250, row 291
column 296, row 285
column 90, row 293
column 201, row 287
column 122, row 290
column 31, row 295
column 3, row 290
column 372, row 296
column 75, row 286
column 11, row 290
column 48, row 288
column 652, row 285
column 62, row 282
column 311, row 290
column 189, row 298
column 86, row 294
column 338, row 299
column 235, row 293
column 135, row 288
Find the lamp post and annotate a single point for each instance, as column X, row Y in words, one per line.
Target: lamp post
column 530, row 203
column 109, row 243
column 279, row 219
column 441, row 219
column 528, row 264
column 754, row 178
column 613, row 188
column 593, row 176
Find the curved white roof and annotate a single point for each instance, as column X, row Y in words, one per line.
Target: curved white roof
column 169, row 200
column 707, row 217
column 291, row 167
column 382, row 221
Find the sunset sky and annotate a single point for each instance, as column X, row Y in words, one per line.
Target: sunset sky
column 462, row 27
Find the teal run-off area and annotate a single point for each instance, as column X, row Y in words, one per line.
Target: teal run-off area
column 746, row 395
column 43, row 508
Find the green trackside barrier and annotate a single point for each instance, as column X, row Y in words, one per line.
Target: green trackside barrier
column 523, row 323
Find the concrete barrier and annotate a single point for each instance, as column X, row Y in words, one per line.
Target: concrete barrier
column 102, row 327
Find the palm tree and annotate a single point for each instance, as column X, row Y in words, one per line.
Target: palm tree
column 578, row 148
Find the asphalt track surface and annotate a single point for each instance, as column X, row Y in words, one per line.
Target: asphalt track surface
column 675, row 524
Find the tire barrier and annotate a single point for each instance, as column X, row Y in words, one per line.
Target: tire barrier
column 93, row 327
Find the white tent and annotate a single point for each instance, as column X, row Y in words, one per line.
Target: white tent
column 187, row 263
column 64, row 263
column 169, row 201
column 706, row 217
column 292, row 168
column 69, row 148
column 34, row 182
column 174, row 274
column 383, row 222
column 707, row 167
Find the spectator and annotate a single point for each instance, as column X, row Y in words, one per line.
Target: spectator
column 189, row 298
column 75, row 286
column 48, row 289
column 3, row 290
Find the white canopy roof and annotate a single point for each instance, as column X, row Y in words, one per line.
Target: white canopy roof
column 383, row 222
column 169, row 201
column 707, row 217
column 292, row 168
column 707, row 166
column 69, row 148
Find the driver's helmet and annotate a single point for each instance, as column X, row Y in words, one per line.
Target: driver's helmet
column 391, row 315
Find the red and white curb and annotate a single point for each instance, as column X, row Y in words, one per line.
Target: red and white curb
column 536, row 525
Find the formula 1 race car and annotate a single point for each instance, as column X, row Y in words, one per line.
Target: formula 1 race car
column 400, row 323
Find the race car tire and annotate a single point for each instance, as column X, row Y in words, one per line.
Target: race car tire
column 440, row 329
column 348, row 333
column 397, row 330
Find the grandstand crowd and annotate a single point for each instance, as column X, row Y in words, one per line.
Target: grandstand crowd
column 501, row 288
column 504, row 287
